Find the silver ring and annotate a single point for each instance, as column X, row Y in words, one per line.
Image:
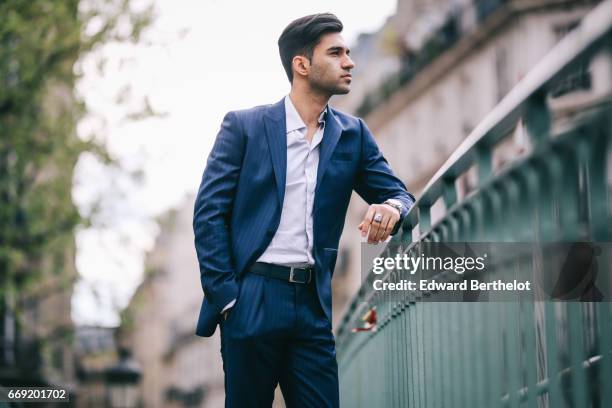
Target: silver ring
column 378, row 217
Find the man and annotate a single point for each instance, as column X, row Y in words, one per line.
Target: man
column 268, row 217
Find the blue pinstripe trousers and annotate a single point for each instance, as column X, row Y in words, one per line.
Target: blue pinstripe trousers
column 277, row 333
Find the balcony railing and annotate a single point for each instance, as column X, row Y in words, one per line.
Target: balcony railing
column 535, row 354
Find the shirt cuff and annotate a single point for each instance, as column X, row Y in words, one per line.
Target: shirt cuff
column 230, row 304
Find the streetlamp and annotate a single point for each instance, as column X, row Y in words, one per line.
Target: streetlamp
column 122, row 380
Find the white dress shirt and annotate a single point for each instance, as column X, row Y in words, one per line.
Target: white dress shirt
column 292, row 243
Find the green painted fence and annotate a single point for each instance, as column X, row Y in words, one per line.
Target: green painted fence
column 512, row 354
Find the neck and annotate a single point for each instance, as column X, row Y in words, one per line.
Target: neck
column 308, row 104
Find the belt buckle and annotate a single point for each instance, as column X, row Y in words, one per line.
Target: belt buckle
column 292, row 276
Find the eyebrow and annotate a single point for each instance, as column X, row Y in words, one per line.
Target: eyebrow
column 338, row 48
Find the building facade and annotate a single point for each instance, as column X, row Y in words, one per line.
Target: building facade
column 457, row 60
column 178, row 368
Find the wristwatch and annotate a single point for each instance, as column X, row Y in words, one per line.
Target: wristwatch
column 395, row 204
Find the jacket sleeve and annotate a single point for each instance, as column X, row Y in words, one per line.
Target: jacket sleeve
column 212, row 213
column 375, row 181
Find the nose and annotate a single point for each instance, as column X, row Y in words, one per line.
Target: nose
column 348, row 63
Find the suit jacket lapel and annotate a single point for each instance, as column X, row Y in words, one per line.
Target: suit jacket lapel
column 331, row 135
column 276, row 133
column 333, row 130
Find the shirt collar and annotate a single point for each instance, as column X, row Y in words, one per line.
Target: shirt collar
column 293, row 119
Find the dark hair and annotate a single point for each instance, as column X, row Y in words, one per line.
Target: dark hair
column 301, row 36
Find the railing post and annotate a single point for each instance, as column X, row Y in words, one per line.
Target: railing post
column 537, row 118
column 484, row 163
column 450, row 192
column 424, row 218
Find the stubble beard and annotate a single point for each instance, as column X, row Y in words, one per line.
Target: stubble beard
column 330, row 87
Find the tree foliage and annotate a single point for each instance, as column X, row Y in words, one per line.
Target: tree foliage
column 40, row 42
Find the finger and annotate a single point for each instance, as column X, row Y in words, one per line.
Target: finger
column 369, row 215
column 374, row 230
column 367, row 220
column 372, row 234
column 388, row 230
column 383, row 228
column 390, row 227
column 393, row 220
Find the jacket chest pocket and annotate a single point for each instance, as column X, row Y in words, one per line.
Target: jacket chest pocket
column 340, row 156
column 342, row 169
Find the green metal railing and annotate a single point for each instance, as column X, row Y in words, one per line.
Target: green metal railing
column 533, row 354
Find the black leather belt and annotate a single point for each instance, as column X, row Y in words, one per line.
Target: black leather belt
column 286, row 273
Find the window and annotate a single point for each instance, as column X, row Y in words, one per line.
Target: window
column 580, row 77
column 502, row 73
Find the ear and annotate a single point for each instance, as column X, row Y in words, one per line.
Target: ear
column 301, row 65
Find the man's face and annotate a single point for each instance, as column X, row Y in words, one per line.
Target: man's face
column 331, row 65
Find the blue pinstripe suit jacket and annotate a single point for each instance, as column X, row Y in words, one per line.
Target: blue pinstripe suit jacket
column 239, row 202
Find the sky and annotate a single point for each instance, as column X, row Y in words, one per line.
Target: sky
column 198, row 60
